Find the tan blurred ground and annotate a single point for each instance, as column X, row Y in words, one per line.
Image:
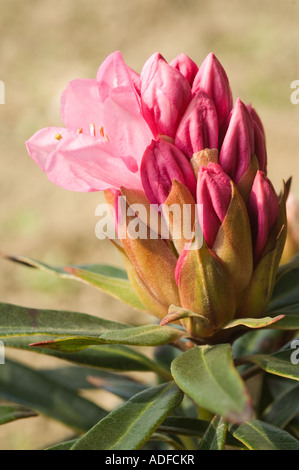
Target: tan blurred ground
column 43, row 45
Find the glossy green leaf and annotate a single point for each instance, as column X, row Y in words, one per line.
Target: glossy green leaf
column 279, row 363
column 130, row 425
column 22, row 321
column 112, row 280
column 148, row 335
column 284, row 408
column 30, row 388
column 11, row 413
column 107, row 356
column 257, row 435
column 208, row 376
column 215, row 436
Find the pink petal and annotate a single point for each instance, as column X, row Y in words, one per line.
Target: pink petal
column 113, row 73
column 162, row 162
column 124, row 124
column 238, row 144
column 43, row 142
column 263, row 210
column 165, row 95
column 214, row 193
column 83, row 163
column 186, row 66
column 198, row 128
column 212, row 79
column 81, row 105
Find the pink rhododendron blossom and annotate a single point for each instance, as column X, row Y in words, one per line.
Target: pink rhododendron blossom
column 172, row 136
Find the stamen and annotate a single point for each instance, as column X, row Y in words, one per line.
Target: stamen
column 80, row 130
column 92, row 129
column 58, row 136
column 101, row 131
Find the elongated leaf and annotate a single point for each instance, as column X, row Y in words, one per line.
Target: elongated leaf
column 81, row 378
column 130, row 425
column 29, row 387
column 254, row 323
column 215, row 436
column 284, row 408
column 22, row 321
column 11, row 413
column 67, row 445
column 279, row 363
column 107, row 356
column 290, row 321
column 208, row 376
column 111, row 280
column 257, row 435
column 149, row 335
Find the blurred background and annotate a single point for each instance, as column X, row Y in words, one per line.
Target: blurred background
column 45, row 44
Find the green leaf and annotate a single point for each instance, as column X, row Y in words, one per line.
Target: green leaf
column 215, row 436
column 12, row 413
column 265, row 322
column 290, row 321
column 257, row 435
column 67, row 445
column 176, row 313
column 82, row 378
column 113, row 281
column 277, row 364
column 30, row 388
column 284, row 408
column 107, row 356
column 22, row 321
column 208, row 376
column 130, row 425
column 148, row 335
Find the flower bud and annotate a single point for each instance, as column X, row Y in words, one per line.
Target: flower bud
column 263, row 209
column 269, row 235
column 206, row 289
column 225, row 224
column 238, row 143
column 214, row 193
column 198, row 128
column 165, row 95
column 212, row 79
column 186, row 66
column 259, row 139
column 162, row 163
column 149, row 262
